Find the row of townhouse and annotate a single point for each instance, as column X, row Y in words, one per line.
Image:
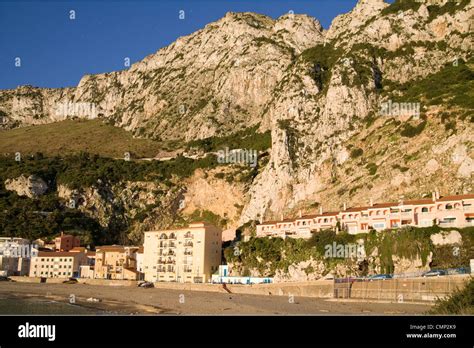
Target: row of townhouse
column 106, row 262
column 448, row 211
column 64, row 258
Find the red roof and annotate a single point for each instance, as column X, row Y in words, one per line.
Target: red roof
column 353, row 209
column 383, row 205
column 57, row 254
column 418, row 202
column 455, row 198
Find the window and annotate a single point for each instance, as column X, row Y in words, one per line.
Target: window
column 424, row 210
column 379, row 225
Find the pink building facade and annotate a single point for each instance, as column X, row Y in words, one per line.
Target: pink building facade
column 449, row 211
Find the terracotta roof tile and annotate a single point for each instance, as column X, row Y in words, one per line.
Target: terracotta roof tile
column 455, row 198
column 57, row 254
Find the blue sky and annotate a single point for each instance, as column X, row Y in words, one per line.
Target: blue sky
column 56, row 51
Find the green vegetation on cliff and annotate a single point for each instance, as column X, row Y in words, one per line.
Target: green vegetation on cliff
column 47, row 215
column 248, row 138
column 84, row 170
column 267, row 255
column 452, row 87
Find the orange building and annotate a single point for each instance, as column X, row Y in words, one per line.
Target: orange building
column 66, row 242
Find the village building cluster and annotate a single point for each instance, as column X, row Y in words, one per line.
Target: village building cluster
column 193, row 254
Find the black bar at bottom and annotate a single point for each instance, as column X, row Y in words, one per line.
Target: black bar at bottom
column 229, row 330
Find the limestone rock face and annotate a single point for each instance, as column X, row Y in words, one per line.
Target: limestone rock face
column 213, row 81
column 318, row 92
column 31, row 186
column 446, row 238
column 406, row 266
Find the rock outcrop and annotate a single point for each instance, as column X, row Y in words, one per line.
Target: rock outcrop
column 30, row 186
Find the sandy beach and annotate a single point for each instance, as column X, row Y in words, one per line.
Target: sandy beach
column 133, row 300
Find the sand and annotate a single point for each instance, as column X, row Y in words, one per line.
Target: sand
column 134, row 300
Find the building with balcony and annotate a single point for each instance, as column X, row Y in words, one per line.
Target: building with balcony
column 116, row 262
column 187, row 255
column 448, row 211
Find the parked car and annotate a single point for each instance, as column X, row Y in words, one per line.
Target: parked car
column 380, row 277
column 70, row 281
column 435, row 273
column 146, row 285
column 4, row 279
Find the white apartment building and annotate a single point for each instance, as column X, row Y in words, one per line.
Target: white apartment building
column 61, row 264
column 187, row 255
column 448, row 211
column 15, row 255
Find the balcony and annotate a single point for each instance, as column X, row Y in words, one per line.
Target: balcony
column 169, row 253
column 188, row 252
column 189, row 235
column 188, row 244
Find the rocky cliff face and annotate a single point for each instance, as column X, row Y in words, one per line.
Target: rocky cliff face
column 31, row 186
column 211, row 82
column 319, row 92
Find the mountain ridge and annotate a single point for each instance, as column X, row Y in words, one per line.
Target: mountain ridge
column 318, row 91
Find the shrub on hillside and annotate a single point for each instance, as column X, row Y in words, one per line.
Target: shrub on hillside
column 460, row 301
